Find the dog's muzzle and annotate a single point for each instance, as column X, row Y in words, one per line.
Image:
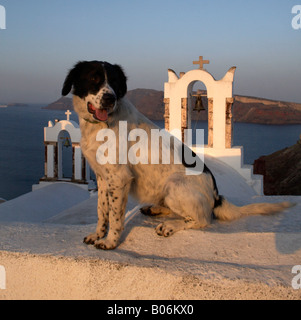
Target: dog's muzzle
column 108, row 102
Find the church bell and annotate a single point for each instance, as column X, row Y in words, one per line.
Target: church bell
column 67, row 143
column 199, row 104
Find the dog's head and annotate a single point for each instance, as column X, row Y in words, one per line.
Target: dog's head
column 99, row 85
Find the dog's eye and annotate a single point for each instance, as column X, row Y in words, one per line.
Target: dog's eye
column 94, row 79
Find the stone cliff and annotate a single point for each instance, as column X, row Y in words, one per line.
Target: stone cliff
column 281, row 171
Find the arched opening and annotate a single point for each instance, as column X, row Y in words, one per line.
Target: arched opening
column 65, row 156
column 198, row 108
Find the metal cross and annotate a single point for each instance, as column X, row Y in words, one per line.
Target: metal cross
column 201, row 62
column 68, row 113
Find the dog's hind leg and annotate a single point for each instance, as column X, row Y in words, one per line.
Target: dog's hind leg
column 155, row 211
column 187, row 201
column 199, row 218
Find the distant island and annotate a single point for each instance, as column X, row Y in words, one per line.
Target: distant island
column 245, row 109
column 18, row 105
column 5, row 105
column 63, row 103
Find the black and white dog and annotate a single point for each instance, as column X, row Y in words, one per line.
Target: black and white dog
column 99, row 90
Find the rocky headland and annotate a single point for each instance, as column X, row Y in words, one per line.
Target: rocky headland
column 245, row 109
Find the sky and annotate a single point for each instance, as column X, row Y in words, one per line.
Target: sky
column 44, row 39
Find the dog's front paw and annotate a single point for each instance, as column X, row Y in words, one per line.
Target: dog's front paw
column 105, row 244
column 164, row 230
column 91, row 238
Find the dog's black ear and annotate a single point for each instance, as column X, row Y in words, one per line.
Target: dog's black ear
column 122, row 88
column 68, row 82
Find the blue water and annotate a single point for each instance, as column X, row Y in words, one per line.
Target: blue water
column 22, row 144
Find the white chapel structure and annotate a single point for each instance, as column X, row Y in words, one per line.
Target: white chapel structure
column 178, row 109
column 55, row 140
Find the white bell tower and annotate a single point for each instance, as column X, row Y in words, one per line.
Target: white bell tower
column 178, row 108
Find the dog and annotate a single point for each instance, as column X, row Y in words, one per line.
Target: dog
column 99, row 90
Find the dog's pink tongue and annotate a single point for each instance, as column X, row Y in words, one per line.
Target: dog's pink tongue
column 101, row 114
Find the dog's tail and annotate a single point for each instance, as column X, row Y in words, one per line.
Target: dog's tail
column 227, row 211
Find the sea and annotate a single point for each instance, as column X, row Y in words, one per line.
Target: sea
column 22, row 144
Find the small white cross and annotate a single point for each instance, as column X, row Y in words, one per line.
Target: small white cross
column 68, row 113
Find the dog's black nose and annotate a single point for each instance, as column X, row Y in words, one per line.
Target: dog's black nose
column 108, row 100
